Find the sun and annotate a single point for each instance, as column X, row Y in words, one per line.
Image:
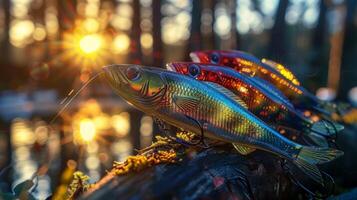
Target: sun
column 90, row 43
column 85, row 49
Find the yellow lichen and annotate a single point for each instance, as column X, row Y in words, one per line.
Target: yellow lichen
column 78, row 185
column 164, row 150
column 140, row 162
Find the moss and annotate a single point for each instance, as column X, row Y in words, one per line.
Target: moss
column 78, row 185
column 164, row 151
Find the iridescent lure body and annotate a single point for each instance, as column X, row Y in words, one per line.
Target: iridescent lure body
column 272, row 72
column 192, row 105
column 264, row 101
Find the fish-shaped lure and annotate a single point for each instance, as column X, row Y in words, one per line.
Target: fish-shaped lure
column 271, row 72
column 269, row 105
column 282, row 70
column 190, row 104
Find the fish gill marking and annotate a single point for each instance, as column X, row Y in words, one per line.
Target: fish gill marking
column 153, row 101
column 156, row 99
column 145, row 88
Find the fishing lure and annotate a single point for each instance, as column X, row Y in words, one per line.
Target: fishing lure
column 269, row 105
column 282, row 70
column 275, row 74
column 182, row 101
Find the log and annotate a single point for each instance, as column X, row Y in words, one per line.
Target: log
column 219, row 172
column 211, row 174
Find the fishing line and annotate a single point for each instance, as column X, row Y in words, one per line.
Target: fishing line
column 70, row 99
column 74, row 96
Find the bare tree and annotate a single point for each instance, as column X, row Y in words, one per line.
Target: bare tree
column 194, row 42
column 235, row 35
column 135, row 47
column 277, row 34
column 318, row 53
column 5, row 47
column 5, row 44
column 349, row 50
column 157, row 45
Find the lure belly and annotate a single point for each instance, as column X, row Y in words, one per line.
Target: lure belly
column 183, row 101
column 269, row 105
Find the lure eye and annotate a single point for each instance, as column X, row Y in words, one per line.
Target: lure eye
column 215, row 58
column 194, row 70
column 133, row 73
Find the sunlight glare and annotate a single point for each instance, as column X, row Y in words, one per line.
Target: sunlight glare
column 90, row 43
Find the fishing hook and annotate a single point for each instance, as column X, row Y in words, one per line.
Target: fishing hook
column 201, row 140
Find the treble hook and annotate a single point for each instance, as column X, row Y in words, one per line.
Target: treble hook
column 167, row 132
column 201, row 140
column 163, row 128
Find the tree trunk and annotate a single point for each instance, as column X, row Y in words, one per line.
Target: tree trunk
column 277, row 47
column 157, row 45
column 235, row 34
column 5, row 61
column 5, row 43
column 318, row 54
column 135, row 46
column 194, row 43
column 348, row 67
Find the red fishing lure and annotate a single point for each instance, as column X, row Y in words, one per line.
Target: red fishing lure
column 268, row 71
column 269, row 105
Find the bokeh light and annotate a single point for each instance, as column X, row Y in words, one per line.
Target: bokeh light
column 121, row 123
column 146, row 131
column 326, row 94
column 39, row 33
column 121, row 44
column 21, row 32
column 87, row 130
column 352, row 95
column 146, row 40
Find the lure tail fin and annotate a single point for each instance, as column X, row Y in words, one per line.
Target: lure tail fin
column 326, row 128
column 317, row 139
column 308, row 157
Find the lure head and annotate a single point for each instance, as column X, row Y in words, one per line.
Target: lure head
column 186, row 68
column 141, row 86
column 227, row 58
column 199, row 71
